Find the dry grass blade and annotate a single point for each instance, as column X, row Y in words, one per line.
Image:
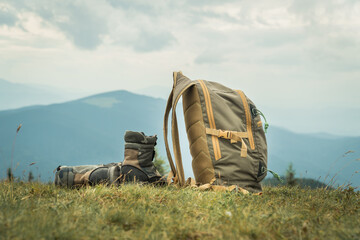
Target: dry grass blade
column 18, row 128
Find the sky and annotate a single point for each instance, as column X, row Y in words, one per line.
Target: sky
column 298, row 61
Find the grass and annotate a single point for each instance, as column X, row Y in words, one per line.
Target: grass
column 43, row 211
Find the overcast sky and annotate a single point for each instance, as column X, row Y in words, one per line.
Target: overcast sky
column 298, row 60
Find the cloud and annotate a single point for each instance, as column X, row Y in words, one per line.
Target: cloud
column 210, row 57
column 145, row 7
column 137, row 24
column 83, row 27
column 153, row 41
column 79, row 22
column 7, row 17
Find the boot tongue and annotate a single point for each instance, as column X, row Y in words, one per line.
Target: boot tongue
column 139, row 137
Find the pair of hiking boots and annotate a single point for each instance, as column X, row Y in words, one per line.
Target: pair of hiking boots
column 137, row 166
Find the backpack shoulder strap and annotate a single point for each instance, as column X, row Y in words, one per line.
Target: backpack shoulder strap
column 181, row 84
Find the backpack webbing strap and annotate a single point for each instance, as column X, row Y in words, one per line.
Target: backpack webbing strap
column 217, row 188
column 233, row 136
column 181, row 84
column 166, row 119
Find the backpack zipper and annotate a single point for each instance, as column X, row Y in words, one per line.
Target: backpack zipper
column 209, row 110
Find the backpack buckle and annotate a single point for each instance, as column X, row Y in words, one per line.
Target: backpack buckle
column 228, row 134
column 223, row 134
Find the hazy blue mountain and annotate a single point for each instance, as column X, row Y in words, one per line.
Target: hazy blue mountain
column 335, row 120
column 85, row 131
column 319, row 156
column 301, row 182
column 15, row 95
column 90, row 131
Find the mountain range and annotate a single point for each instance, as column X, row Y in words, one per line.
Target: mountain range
column 90, row 131
column 15, row 95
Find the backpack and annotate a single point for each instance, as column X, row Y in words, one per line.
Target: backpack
column 225, row 132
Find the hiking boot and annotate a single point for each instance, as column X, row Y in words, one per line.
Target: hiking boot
column 138, row 163
column 77, row 176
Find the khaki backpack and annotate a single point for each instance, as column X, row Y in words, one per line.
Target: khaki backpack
column 226, row 137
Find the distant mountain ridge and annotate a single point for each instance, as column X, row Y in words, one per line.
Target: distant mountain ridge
column 16, row 95
column 76, row 132
column 90, row 131
column 301, row 182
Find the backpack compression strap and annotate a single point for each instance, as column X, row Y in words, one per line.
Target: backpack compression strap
column 181, row 84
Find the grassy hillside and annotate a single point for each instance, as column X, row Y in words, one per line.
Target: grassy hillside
column 39, row 211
